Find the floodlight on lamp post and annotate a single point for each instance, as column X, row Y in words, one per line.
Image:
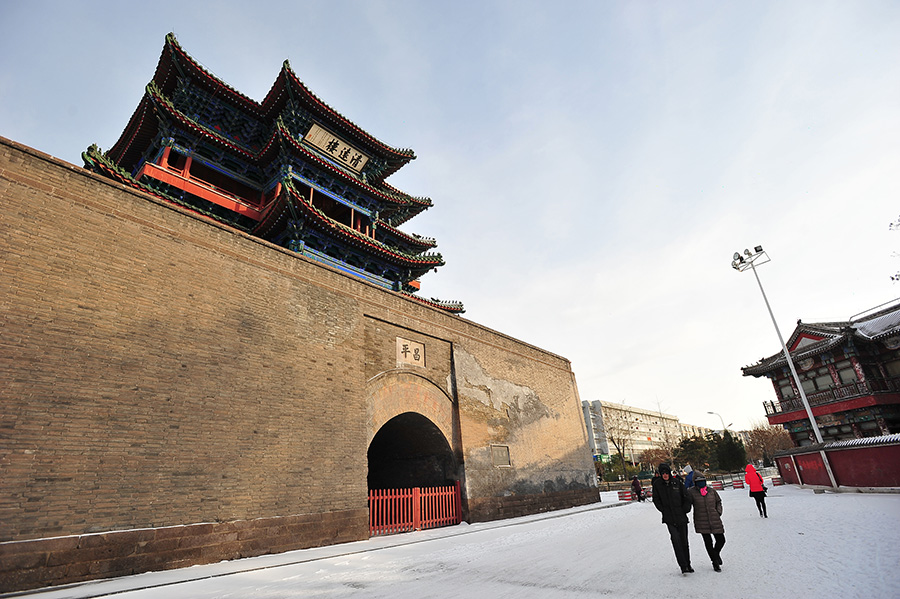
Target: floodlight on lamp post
column 749, row 260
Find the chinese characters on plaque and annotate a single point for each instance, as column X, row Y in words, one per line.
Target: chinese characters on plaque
column 336, row 147
column 410, row 352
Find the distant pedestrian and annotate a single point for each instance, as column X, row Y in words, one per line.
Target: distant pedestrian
column 671, row 500
column 636, row 490
column 708, row 519
column 757, row 489
column 689, row 479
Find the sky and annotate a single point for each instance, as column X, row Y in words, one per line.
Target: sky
column 622, row 552
column 593, row 165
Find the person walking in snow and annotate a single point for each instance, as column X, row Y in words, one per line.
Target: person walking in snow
column 689, row 479
column 671, row 500
column 757, row 489
column 637, row 491
column 708, row 518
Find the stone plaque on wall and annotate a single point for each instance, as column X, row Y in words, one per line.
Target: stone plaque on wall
column 410, row 352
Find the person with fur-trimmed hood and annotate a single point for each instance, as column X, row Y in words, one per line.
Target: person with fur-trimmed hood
column 708, row 518
column 671, row 500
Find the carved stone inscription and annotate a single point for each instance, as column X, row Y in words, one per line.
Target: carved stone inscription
column 410, row 352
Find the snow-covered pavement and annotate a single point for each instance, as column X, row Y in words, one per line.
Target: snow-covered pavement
column 811, row 545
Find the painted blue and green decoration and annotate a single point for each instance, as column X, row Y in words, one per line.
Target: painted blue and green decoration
column 289, row 169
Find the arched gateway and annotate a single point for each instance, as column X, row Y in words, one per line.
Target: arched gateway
column 410, row 451
column 411, row 459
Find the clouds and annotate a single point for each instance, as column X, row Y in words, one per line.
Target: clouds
column 593, row 165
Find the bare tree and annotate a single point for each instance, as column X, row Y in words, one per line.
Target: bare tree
column 657, row 455
column 765, row 440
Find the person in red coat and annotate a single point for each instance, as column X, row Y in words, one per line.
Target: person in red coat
column 757, row 489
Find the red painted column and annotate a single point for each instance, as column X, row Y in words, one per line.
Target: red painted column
column 858, row 368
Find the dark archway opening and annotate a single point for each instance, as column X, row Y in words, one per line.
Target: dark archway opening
column 410, row 451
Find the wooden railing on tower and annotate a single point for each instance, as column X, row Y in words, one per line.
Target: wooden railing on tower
column 403, row 510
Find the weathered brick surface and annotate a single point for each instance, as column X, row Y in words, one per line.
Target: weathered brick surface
column 160, row 370
column 27, row 564
column 496, row 508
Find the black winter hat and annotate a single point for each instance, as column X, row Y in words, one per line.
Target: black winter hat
column 665, row 469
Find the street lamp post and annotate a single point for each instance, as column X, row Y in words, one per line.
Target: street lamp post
column 748, row 260
column 724, row 428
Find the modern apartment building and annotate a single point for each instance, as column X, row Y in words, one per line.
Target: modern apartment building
column 639, row 428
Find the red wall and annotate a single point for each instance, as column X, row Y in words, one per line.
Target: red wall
column 787, row 471
column 812, row 469
column 867, row 466
column 877, row 466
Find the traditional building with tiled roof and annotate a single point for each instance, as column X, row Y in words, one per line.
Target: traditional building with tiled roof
column 850, row 372
column 289, row 169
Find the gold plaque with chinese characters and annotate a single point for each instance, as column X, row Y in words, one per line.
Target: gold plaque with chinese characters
column 335, row 147
column 410, row 352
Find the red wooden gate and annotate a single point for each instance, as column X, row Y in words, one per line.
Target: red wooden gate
column 401, row 510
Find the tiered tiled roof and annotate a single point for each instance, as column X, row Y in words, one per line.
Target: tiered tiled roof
column 809, row 340
column 262, row 150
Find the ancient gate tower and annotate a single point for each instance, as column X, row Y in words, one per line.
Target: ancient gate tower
column 212, row 346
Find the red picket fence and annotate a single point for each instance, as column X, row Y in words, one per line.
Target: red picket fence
column 738, row 484
column 624, row 495
column 717, row 485
column 402, row 510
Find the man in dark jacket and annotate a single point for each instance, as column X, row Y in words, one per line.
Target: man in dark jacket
column 637, row 492
column 670, row 499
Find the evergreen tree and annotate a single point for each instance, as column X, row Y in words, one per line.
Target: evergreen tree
column 696, row 452
column 731, row 453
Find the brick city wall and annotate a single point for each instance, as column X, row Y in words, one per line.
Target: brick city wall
column 165, row 373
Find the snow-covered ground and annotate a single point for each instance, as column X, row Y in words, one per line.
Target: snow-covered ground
column 811, row 545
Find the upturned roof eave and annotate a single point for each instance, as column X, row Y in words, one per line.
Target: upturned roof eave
column 272, row 103
column 257, row 156
column 329, row 226
column 820, row 329
column 139, row 126
column 834, row 333
column 447, row 306
column 395, row 157
column 778, row 360
column 173, row 50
